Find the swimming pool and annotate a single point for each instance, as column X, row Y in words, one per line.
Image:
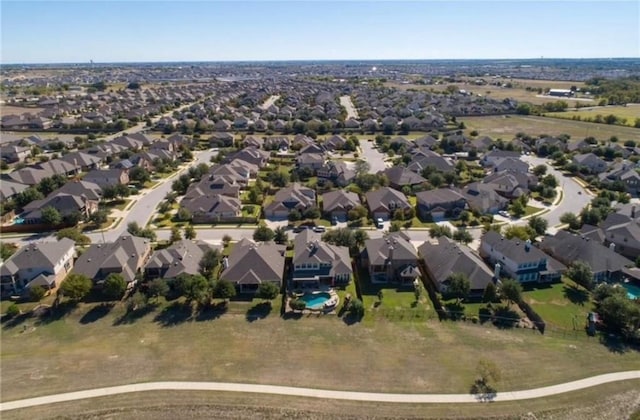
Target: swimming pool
column 633, row 291
column 315, row 300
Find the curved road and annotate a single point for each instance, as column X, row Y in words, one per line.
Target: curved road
column 323, row 393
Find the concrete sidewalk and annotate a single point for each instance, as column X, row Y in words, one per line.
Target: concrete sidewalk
column 324, row 393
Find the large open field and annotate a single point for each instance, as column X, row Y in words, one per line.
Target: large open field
column 18, row 110
column 630, row 112
column 506, row 127
column 92, row 347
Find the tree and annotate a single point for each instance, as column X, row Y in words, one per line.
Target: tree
column 356, row 308
column 440, row 230
column 511, row 290
column 280, row 235
column 517, row 209
column 36, row 293
column 109, row 192
column 76, row 287
column 175, row 234
column 183, row 215
column 572, row 220
column 458, row 286
column 267, row 290
column 538, row 224
column 224, row 290
column 209, row 262
column 99, row 217
column 540, row 170
column 114, row 286
column 134, row 228
column 520, row 232
column 13, row 310
column 157, row 288
column 488, row 374
column 263, row 233
column 195, row 288
column 74, row 234
column 51, row 216
column 139, row 174
column 462, row 235
column 581, row 273
column 298, row 305
column 226, row 239
column 620, row 314
column 360, row 237
column 490, row 293
column 362, row 167
column 189, row 232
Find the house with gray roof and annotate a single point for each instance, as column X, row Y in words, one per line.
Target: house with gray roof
column 483, row 198
column 519, row 259
column 182, row 257
column 251, row 264
column 337, row 172
column 440, row 203
column 318, row 263
column 443, row 257
column 28, row 176
column 391, row 259
column 11, row 154
column 211, row 207
column 400, row 177
column 10, row 188
column 604, row 262
column 252, row 155
column 108, row 177
column 66, row 204
column 44, row 264
column 593, row 163
column 338, row 203
column 385, row 201
column 127, row 256
column 292, row 197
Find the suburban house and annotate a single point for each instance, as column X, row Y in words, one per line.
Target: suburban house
column 496, row 155
column 604, row 262
column 593, row 163
column 385, row 201
column 65, row 204
column 127, row 255
column 519, row 259
column 221, row 139
column 9, row 188
column 336, row 204
column 11, row 154
column 483, row 198
column 337, row 172
column 318, row 263
column 215, row 184
column 426, row 142
column 334, row 142
column 252, row 155
column 211, row 207
column 43, row 264
column 510, row 184
column 313, row 161
column 440, row 203
column 108, row 177
column 89, row 190
column 423, row 159
column 624, row 232
column 182, row 257
column 508, row 164
column 444, row 257
column 391, row 259
column 400, row 177
column 250, row 264
column 295, row 196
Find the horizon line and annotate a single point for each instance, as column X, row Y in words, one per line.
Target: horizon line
column 308, row 60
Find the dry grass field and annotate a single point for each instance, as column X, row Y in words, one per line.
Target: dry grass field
column 18, row 110
column 611, row 401
column 94, row 346
column 630, row 112
column 506, row 127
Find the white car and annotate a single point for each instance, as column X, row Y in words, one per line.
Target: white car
column 319, row 229
column 504, row 214
column 380, row 222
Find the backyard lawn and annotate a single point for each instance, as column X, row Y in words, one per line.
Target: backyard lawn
column 562, row 305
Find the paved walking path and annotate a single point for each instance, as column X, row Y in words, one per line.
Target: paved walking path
column 323, row 393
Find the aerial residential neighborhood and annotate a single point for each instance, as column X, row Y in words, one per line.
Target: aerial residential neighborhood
column 262, row 235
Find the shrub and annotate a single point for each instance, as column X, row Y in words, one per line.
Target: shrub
column 36, row 293
column 13, row 310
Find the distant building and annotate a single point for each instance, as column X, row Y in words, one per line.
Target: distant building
column 564, row 93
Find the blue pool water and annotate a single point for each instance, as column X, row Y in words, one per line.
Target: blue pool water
column 633, row 291
column 18, row 220
column 315, row 300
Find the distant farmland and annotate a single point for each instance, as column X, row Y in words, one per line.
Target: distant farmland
column 630, row 112
column 506, row 127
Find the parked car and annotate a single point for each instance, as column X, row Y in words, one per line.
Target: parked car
column 319, row 229
column 504, row 213
column 379, row 223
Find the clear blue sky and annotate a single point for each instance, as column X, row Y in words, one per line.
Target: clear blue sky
column 55, row 31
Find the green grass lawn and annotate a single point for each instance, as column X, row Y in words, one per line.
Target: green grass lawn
column 531, row 210
column 563, row 305
column 630, row 113
column 120, row 204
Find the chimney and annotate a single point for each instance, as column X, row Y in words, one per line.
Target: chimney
column 612, row 246
column 527, row 245
column 633, row 212
column 225, row 262
column 496, row 270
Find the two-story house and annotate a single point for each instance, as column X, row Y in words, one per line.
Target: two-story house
column 295, row 196
column 43, row 264
column 318, row 263
column 440, row 203
column 391, row 259
column 519, row 259
column 385, row 201
column 250, row 264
